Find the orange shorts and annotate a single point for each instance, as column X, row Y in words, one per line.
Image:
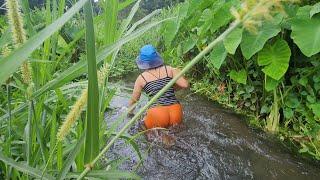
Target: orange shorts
column 163, row 116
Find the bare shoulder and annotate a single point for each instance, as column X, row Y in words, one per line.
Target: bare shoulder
column 139, row 81
column 170, row 70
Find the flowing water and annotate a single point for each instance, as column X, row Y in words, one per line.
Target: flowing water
column 214, row 143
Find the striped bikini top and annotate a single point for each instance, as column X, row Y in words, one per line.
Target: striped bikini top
column 153, row 87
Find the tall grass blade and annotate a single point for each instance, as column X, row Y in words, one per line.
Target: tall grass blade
column 28, row 134
column 144, row 19
column 92, row 128
column 53, row 132
column 110, row 23
column 23, row 167
column 10, row 64
column 71, row 158
column 110, row 19
column 123, row 28
column 26, row 11
column 47, row 42
column 125, row 4
column 80, row 155
column 132, row 142
column 59, row 155
column 62, row 4
column 9, row 117
column 126, row 22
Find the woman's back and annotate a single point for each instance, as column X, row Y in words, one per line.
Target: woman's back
column 155, row 80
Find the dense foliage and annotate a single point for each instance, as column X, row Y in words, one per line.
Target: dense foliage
column 52, row 108
column 270, row 71
column 45, row 130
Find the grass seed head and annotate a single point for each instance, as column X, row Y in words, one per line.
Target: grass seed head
column 6, row 50
column 102, row 74
column 16, row 22
column 253, row 12
column 18, row 34
column 26, row 73
column 72, row 116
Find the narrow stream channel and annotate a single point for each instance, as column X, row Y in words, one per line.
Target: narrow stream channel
column 214, row 143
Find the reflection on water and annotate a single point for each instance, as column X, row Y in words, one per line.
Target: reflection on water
column 214, row 144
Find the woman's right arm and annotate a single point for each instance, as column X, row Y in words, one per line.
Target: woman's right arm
column 136, row 92
column 182, row 82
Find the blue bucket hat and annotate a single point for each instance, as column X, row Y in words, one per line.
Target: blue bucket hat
column 149, row 58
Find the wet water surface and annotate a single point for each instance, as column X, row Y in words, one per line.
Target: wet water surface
column 214, row 143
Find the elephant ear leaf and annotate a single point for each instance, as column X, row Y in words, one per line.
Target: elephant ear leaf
column 233, row 40
column 218, row 55
column 170, row 28
column 275, row 59
column 316, row 109
column 306, row 31
column 270, row 83
column 239, row 76
column 254, row 42
column 188, row 44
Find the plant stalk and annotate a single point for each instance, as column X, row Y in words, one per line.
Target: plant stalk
column 92, row 130
column 163, row 90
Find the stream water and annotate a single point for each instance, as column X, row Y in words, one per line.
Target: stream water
column 214, row 143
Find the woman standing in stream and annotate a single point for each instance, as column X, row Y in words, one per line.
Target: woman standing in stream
column 166, row 111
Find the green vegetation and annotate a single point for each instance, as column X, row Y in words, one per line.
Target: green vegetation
column 51, row 89
column 270, row 72
column 261, row 59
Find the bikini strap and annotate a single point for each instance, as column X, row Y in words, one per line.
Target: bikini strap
column 144, row 78
column 166, row 70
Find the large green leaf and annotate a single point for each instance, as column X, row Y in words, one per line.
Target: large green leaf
column 170, row 30
column 270, row 83
column 188, row 44
column 239, row 76
column 183, row 10
column 316, row 109
column 221, row 17
column 306, row 34
column 10, row 64
column 232, row 41
column 218, row 55
column 92, row 128
column 275, row 58
column 252, row 43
